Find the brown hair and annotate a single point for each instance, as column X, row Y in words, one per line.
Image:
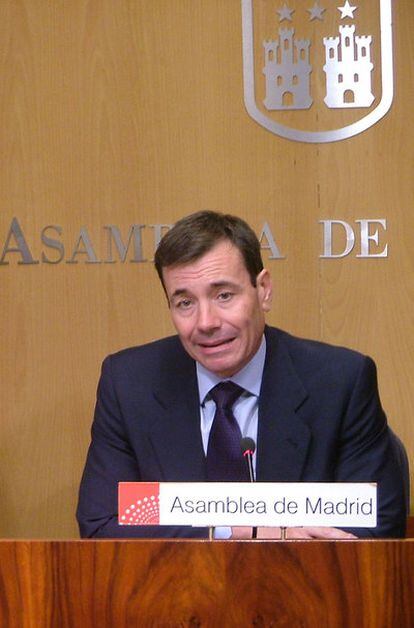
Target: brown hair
column 196, row 234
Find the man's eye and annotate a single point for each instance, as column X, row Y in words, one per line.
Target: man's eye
column 225, row 296
column 184, row 304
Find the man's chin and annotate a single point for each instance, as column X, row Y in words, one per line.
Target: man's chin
column 223, row 367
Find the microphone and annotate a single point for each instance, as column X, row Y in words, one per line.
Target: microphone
column 248, row 447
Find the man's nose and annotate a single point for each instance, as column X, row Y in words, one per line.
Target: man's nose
column 208, row 318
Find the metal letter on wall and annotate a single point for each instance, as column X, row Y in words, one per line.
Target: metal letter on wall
column 317, row 70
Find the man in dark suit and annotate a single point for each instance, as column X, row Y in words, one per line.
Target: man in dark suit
column 313, row 409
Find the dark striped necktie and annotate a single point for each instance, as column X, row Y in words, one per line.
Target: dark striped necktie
column 225, row 462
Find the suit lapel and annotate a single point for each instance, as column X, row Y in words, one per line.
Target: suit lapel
column 175, row 433
column 283, row 438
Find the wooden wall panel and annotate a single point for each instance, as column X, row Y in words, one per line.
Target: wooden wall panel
column 131, row 112
column 369, row 303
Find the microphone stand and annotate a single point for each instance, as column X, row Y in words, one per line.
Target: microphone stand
column 248, row 448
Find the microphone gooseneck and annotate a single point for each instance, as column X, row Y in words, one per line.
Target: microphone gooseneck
column 248, row 447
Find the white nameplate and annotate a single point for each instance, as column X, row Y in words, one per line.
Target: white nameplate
column 248, row 504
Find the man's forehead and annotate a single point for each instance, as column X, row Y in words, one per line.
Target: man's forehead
column 221, row 264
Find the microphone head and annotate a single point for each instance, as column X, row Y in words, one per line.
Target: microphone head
column 247, row 445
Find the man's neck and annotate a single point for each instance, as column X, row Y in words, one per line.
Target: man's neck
column 249, row 377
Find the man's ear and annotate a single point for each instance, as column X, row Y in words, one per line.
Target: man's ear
column 264, row 289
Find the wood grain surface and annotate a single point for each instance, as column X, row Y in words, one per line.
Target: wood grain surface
column 123, row 112
column 363, row 584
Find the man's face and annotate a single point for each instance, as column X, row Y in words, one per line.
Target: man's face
column 217, row 312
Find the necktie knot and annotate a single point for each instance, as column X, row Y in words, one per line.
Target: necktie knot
column 225, row 394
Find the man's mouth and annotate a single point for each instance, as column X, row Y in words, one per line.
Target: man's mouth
column 216, row 343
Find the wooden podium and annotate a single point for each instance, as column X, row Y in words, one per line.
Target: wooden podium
column 102, row 584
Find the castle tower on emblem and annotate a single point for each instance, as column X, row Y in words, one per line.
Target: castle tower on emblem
column 348, row 69
column 287, row 71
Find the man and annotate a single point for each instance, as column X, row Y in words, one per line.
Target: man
column 312, row 409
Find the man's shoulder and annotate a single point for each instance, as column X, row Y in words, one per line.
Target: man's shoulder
column 153, row 354
column 311, row 353
column 317, row 365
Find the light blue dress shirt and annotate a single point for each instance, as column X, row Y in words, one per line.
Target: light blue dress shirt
column 245, row 409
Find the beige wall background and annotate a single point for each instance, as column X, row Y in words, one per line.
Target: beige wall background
column 122, row 112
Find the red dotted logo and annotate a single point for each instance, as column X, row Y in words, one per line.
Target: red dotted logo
column 139, row 503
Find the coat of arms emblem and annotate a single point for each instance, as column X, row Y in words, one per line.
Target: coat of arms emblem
column 317, row 70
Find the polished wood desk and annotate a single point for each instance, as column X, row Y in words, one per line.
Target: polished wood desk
column 100, row 584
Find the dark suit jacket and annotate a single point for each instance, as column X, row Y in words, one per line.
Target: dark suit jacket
column 320, row 420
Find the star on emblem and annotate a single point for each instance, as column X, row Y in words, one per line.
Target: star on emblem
column 316, row 12
column 285, row 13
column 347, row 10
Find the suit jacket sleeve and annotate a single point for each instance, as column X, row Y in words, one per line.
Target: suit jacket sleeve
column 111, row 460
column 367, row 453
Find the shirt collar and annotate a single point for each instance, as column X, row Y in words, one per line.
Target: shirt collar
column 249, row 378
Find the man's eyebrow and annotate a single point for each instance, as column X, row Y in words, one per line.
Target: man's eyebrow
column 178, row 293
column 224, row 284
